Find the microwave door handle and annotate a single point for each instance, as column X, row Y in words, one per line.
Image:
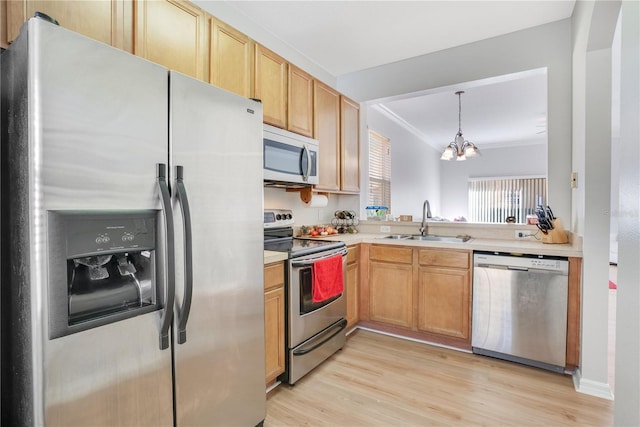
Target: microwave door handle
column 305, row 153
column 169, row 291
column 183, row 314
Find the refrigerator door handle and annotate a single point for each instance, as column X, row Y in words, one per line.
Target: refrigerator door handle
column 183, row 314
column 165, row 198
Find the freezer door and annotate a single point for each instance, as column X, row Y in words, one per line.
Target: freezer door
column 216, row 137
column 88, row 125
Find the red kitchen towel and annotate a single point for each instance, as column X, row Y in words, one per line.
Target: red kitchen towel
column 328, row 280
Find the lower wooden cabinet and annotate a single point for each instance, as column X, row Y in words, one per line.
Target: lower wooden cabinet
column 391, row 285
column 353, row 276
column 274, row 305
column 444, row 302
column 444, row 292
column 422, row 293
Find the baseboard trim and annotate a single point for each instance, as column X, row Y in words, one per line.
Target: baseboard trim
column 592, row 388
column 364, row 328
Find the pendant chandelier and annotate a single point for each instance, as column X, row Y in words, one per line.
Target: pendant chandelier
column 460, row 149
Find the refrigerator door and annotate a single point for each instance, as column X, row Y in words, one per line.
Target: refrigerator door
column 216, row 137
column 89, row 125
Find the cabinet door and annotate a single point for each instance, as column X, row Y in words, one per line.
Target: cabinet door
column 274, row 333
column 108, row 21
column 444, row 302
column 231, row 66
column 349, row 145
column 390, row 293
column 300, row 108
column 353, row 277
column 171, row 33
column 274, row 320
column 326, row 127
column 271, row 86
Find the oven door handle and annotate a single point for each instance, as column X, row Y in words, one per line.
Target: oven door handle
column 309, row 261
column 313, row 345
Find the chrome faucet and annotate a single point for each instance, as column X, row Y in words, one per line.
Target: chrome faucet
column 426, row 213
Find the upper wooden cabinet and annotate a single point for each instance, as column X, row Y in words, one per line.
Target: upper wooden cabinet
column 108, row 21
column 349, row 145
column 231, row 65
column 172, row 33
column 326, row 129
column 300, row 108
column 270, row 86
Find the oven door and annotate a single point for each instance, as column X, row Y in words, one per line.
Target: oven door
column 305, row 317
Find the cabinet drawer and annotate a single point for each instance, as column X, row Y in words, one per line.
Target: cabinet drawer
column 445, row 258
column 353, row 255
column 391, row 254
column 273, row 275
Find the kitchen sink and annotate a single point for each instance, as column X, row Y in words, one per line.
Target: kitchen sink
column 431, row 238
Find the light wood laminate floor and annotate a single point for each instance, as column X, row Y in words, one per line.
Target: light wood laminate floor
column 378, row 380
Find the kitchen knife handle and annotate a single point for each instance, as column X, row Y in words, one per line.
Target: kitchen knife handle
column 169, row 293
column 183, row 314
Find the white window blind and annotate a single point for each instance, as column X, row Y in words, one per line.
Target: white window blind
column 495, row 199
column 379, row 170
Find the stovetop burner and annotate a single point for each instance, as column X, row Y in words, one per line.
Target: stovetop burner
column 278, row 236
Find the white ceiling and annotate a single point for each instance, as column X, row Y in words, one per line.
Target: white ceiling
column 496, row 112
column 348, row 36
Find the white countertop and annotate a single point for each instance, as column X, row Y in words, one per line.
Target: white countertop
column 273, row 256
column 483, row 244
column 496, row 245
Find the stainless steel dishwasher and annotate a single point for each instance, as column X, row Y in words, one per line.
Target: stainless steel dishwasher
column 520, row 308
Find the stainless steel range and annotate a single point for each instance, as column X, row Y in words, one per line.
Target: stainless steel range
column 315, row 330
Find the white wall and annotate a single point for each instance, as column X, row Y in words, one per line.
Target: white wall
column 539, row 47
column 528, row 160
column 415, row 168
column 279, row 198
column 594, row 28
column 627, row 410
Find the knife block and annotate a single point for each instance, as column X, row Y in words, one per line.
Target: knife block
column 557, row 234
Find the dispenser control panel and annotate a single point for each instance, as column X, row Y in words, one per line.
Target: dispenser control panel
column 92, row 234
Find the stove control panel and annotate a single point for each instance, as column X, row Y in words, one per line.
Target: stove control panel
column 278, row 218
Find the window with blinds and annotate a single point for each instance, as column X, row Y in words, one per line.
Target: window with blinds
column 495, row 199
column 379, row 170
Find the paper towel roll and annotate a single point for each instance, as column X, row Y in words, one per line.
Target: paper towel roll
column 317, row 201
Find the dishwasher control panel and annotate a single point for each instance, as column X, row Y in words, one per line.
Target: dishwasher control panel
column 521, row 262
column 547, row 264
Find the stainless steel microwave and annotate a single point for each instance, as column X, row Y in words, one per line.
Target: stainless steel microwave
column 289, row 158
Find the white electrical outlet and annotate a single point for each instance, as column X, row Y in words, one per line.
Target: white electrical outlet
column 522, row 234
column 385, row 229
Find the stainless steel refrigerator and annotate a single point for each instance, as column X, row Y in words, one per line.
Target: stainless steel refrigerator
column 132, row 280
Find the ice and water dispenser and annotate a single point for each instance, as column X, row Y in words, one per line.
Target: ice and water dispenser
column 102, row 268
